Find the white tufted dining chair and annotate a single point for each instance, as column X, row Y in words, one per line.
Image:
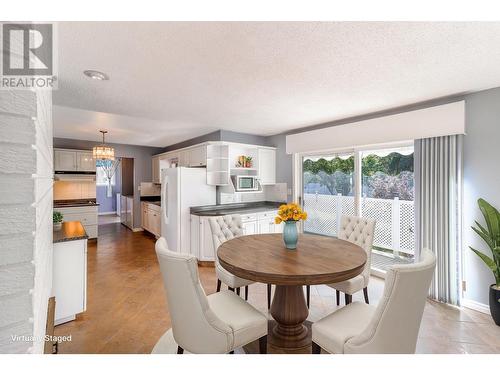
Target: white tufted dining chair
column 359, row 231
column 213, row 324
column 223, row 229
column 391, row 327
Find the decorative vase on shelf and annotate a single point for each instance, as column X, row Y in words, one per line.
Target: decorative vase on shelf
column 289, row 214
column 290, row 235
column 58, row 226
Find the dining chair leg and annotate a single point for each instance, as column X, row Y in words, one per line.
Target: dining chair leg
column 238, row 291
column 316, row 349
column 231, row 289
column 246, row 293
column 348, row 299
column 218, row 285
column 308, row 295
column 180, row 350
column 337, row 295
column 263, row 345
column 365, row 292
column 268, row 296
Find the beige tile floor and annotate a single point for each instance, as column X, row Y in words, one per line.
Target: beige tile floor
column 127, row 311
column 444, row 329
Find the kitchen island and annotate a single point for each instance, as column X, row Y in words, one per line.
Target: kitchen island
column 69, row 272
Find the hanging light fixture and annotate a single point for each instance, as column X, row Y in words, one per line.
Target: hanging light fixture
column 103, row 152
column 104, row 157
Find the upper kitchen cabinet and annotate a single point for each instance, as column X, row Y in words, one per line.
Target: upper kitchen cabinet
column 64, row 160
column 184, row 158
column 156, row 170
column 267, row 166
column 85, row 161
column 73, row 161
column 198, row 156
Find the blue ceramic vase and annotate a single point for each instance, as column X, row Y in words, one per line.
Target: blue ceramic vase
column 290, row 235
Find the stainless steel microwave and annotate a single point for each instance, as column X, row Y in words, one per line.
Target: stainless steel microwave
column 245, row 183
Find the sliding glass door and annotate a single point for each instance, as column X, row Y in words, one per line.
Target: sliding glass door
column 375, row 184
column 328, row 182
column 387, row 196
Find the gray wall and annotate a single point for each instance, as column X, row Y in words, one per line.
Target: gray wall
column 142, row 163
column 251, row 139
column 284, row 162
column 481, row 180
column 214, row 136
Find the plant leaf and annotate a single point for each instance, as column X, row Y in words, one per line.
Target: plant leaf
column 487, row 260
column 485, row 237
column 483, row 229
column 492, row 217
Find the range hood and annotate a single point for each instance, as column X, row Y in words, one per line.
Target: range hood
column 74, row 176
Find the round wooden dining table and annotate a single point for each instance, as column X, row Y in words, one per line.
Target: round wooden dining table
column 317, row 260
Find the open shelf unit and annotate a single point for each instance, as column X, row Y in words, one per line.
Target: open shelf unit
column 217, row 164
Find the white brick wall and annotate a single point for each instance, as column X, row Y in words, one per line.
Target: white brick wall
column 25, row 216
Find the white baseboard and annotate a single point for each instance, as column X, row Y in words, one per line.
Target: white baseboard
column 477, row 306
column 107, row 213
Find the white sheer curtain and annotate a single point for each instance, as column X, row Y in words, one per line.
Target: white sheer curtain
column 438, row 203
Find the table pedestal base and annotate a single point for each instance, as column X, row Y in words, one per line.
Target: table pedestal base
column 290, row 312
column 280, row 343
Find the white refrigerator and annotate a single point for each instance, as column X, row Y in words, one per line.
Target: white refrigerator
column 181, row 189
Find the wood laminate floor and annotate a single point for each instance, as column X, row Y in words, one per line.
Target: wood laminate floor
column 127, row 311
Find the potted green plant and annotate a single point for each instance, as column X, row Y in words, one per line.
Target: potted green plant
column 57, row 219
column 491, row 235
column 248, row 162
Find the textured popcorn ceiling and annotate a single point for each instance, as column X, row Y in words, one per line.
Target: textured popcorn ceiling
column 172, row 81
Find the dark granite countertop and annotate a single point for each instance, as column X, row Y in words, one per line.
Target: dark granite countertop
column 70, row 231
column 75, row 203
column 152, row 199
column 234, row 208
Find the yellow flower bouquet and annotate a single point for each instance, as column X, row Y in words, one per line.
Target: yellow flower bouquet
column 290, row 212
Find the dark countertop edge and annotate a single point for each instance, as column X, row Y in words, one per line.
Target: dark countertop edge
column 74, row 203
column 215, row 210
column 150, row 198
column 67, row 234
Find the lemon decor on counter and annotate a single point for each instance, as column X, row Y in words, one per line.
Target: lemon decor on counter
column 289, row 214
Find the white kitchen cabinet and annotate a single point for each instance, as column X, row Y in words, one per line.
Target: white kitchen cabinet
column 202, row 245
column 69, row 279
column 150, row 218
column 198, row 156
column 65, row 160
column 155, row 171
column 85, row 161
column 267, row 166
column 250, row 227
column 184, row 158
column 253, row 223
column 73, row 161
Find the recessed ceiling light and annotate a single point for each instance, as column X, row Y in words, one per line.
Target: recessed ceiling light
column 94, row 74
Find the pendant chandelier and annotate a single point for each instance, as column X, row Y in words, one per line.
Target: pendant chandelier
column 103, row 152
column 104, row 157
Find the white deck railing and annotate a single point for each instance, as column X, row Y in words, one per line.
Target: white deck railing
column 395, row 228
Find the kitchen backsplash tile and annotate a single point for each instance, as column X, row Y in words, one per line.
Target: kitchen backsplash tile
column 74, row 190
